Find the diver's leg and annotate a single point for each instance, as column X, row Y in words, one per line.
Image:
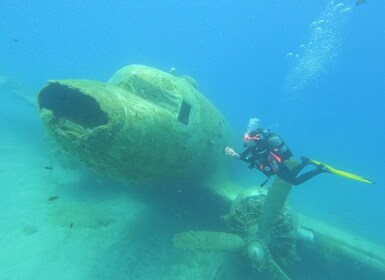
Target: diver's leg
column 308, row 175
column 298, row 168
column 286, row 174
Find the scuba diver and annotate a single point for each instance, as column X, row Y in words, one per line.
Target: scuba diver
column 267, row 152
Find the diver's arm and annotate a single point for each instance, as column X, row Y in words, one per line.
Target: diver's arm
column 243, row 156
column 230, row 152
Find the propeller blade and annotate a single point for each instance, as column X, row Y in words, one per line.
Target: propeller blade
column 276, row 270
column 274, row 202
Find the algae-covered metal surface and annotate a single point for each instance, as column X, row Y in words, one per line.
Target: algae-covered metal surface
column 335, row 253
column 313, row 249
column 142, row 125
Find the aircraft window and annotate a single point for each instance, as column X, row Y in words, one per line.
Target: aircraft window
column 184, row 113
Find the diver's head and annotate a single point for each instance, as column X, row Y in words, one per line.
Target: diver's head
column 253, row 138
column 254, row 132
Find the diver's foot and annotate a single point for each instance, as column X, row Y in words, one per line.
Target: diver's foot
column 305, row 160
column 323, row 168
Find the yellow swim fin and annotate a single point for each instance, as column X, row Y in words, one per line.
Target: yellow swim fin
column 341, row 173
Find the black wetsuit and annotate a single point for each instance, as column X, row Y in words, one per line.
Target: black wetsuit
column 269, row 155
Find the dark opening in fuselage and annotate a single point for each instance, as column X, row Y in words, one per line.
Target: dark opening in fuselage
column 71, row 104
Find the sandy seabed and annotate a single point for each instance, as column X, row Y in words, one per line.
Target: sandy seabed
column 64, row 223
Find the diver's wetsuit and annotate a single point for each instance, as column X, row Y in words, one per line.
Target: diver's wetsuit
column 290, row 175
column 269, row 155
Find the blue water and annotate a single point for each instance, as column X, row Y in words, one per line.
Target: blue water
column 312, row 71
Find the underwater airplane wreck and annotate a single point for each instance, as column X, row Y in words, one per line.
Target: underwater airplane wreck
column 151, row 126
column 143, row 124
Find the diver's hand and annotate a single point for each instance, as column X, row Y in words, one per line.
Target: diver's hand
column 230, row 152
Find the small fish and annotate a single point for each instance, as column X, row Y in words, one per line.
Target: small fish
column 15, row 40
column 53, row 198
column 359, row 2
column 48, row 167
